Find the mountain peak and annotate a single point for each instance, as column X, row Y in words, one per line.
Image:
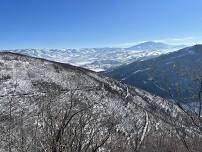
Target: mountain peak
column 152, row 45
column 149, row 45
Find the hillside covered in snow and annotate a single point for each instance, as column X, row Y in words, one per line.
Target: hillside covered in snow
column 176, row 76
column 54, row 107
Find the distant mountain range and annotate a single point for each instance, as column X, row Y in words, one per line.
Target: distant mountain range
column 174, row 75
column 50, row 106
column 152, row 46
column 100, row 59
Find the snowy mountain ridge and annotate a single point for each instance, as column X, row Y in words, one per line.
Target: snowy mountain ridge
column 179, row 72
column 154, row 46
column 50, row 106
column 100, row 59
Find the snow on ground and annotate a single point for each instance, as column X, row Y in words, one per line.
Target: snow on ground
column 94, row 58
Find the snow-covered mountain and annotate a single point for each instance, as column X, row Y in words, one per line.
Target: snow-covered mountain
column 176, row 75
column 49, row 106
column 154, row 46
column 99, row 59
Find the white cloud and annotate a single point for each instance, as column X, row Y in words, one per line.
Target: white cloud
column 183, row 40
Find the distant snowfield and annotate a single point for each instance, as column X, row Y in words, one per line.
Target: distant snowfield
column 99, row 59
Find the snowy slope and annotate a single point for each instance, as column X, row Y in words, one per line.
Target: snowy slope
column 47, row 106
column 179, row 72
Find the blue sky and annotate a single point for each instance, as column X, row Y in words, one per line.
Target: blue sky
column 97, row 23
